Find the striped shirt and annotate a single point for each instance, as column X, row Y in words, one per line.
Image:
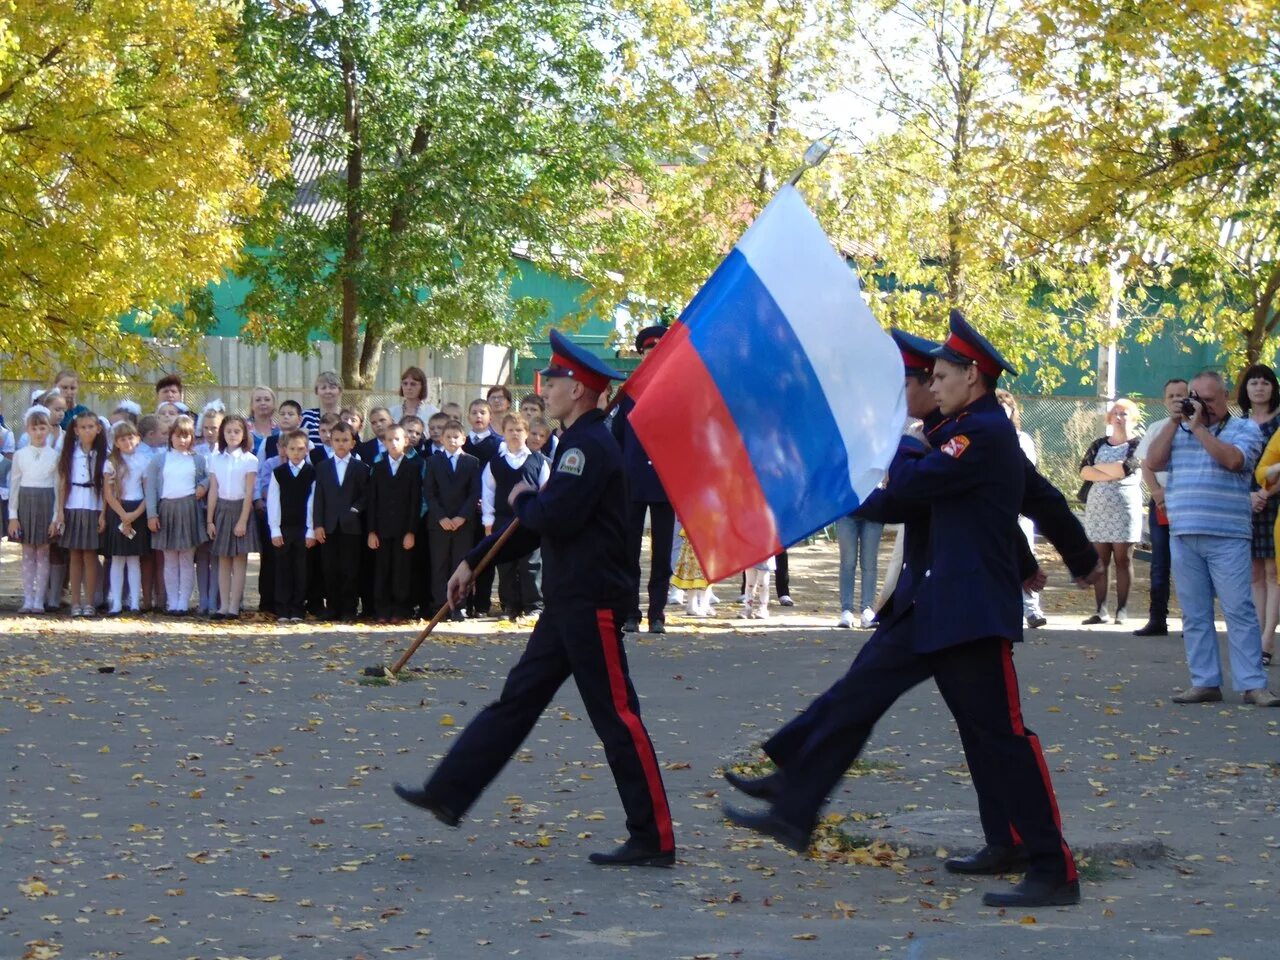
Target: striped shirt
column 1202, row 496
column 311, row 424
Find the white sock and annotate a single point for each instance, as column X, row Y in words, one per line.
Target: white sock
column 171, row 586
column 117, row 582
column 186, row 577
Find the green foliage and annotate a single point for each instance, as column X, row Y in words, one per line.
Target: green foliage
column 452, row 133
column 126, row 162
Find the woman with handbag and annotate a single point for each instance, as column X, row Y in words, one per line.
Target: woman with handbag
column 1113, row 503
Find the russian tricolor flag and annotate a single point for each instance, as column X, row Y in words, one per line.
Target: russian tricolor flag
column 775, row 403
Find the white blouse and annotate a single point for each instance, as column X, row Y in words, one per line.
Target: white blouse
column 179, row 476
column 80, row 494
column 130, row 487
column 231, row 469
column 32, row 467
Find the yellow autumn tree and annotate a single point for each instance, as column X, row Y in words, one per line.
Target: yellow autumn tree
column 127, row 163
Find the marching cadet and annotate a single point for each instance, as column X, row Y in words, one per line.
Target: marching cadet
column 953, row 615
column 580, row 521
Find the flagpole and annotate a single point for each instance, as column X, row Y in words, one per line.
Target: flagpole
column 814, row 155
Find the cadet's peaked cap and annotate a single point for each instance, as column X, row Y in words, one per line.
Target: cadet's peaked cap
column 917, row 352
column 649, row 336
column 965, row 345
column 570, row 360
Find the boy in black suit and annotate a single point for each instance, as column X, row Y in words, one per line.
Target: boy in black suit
column 482, row 443
column 338, row 512
column 453, row 490
column 289, row 506
column 395, row 495
column 379, row 421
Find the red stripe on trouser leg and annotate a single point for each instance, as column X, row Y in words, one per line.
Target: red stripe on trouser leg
column 639, row 737
column 1015, row 717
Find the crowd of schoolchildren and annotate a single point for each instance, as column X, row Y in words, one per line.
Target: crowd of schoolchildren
column 131, row 511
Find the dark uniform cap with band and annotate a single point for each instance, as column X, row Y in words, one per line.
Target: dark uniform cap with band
column 570, row 360
column 917, row 352
column 649, row 336
column 966, row 345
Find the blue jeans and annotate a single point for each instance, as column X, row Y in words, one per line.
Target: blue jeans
column 1203, row 566
column 858, row 537
column 1159, row 608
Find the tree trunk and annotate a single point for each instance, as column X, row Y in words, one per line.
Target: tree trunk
column 374, row 332
column 1265, row 318
column 353, row 250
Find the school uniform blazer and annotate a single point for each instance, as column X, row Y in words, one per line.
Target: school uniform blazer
column 153, row 480
column 368, row 450
column 485, row 450
column 394, row 501
column 340, row 508
column 452, row 493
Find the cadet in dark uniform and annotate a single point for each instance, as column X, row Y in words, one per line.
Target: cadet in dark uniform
column 579, row 520
column 954, row 615
column 647, row 495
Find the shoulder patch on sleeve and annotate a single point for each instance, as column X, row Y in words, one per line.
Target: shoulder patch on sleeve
column 956, row 446
column 572, row 461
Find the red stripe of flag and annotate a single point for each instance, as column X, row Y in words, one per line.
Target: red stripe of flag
column 705, row 468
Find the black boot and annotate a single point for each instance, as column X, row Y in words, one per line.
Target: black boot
column 767, row 787
column 991, row 859
column 771, row 825
column 420, row 798
column 632, row 854
column 1152, row 628
column 1036, row 891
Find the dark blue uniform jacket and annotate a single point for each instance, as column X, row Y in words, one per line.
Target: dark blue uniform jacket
column 580, row 521
column 642, row 479
column 960, row 501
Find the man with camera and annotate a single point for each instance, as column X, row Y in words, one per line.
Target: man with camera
column 1209, row 455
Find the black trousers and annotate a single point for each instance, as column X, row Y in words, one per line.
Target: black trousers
column 448, row 549
column 421, row 576
column 520, row 584
column 662, row 530
column 587, row 645
column 266, row 565
column 393, row 579
column 340, row 558
column 481, row 601
column 291, row 567
column 977, row 681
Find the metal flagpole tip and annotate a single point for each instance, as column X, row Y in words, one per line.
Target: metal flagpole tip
column 814, row 155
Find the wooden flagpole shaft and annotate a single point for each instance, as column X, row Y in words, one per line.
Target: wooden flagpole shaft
column 444, row 610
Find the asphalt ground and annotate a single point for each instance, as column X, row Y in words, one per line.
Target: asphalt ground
column 225, row 791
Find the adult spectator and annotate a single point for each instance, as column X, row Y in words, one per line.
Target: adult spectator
column 1259, row 398
column 1157, row 625
column 1209, row 458
column 413, row 397
column 1113, row 503
column 499, row 398
column 169, row 389
column 262, row 419
column 1030, row 598
column 328, row 389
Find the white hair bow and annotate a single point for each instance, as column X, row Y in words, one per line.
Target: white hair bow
column 215, row 405
column 128, row 406
column 35, row 408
